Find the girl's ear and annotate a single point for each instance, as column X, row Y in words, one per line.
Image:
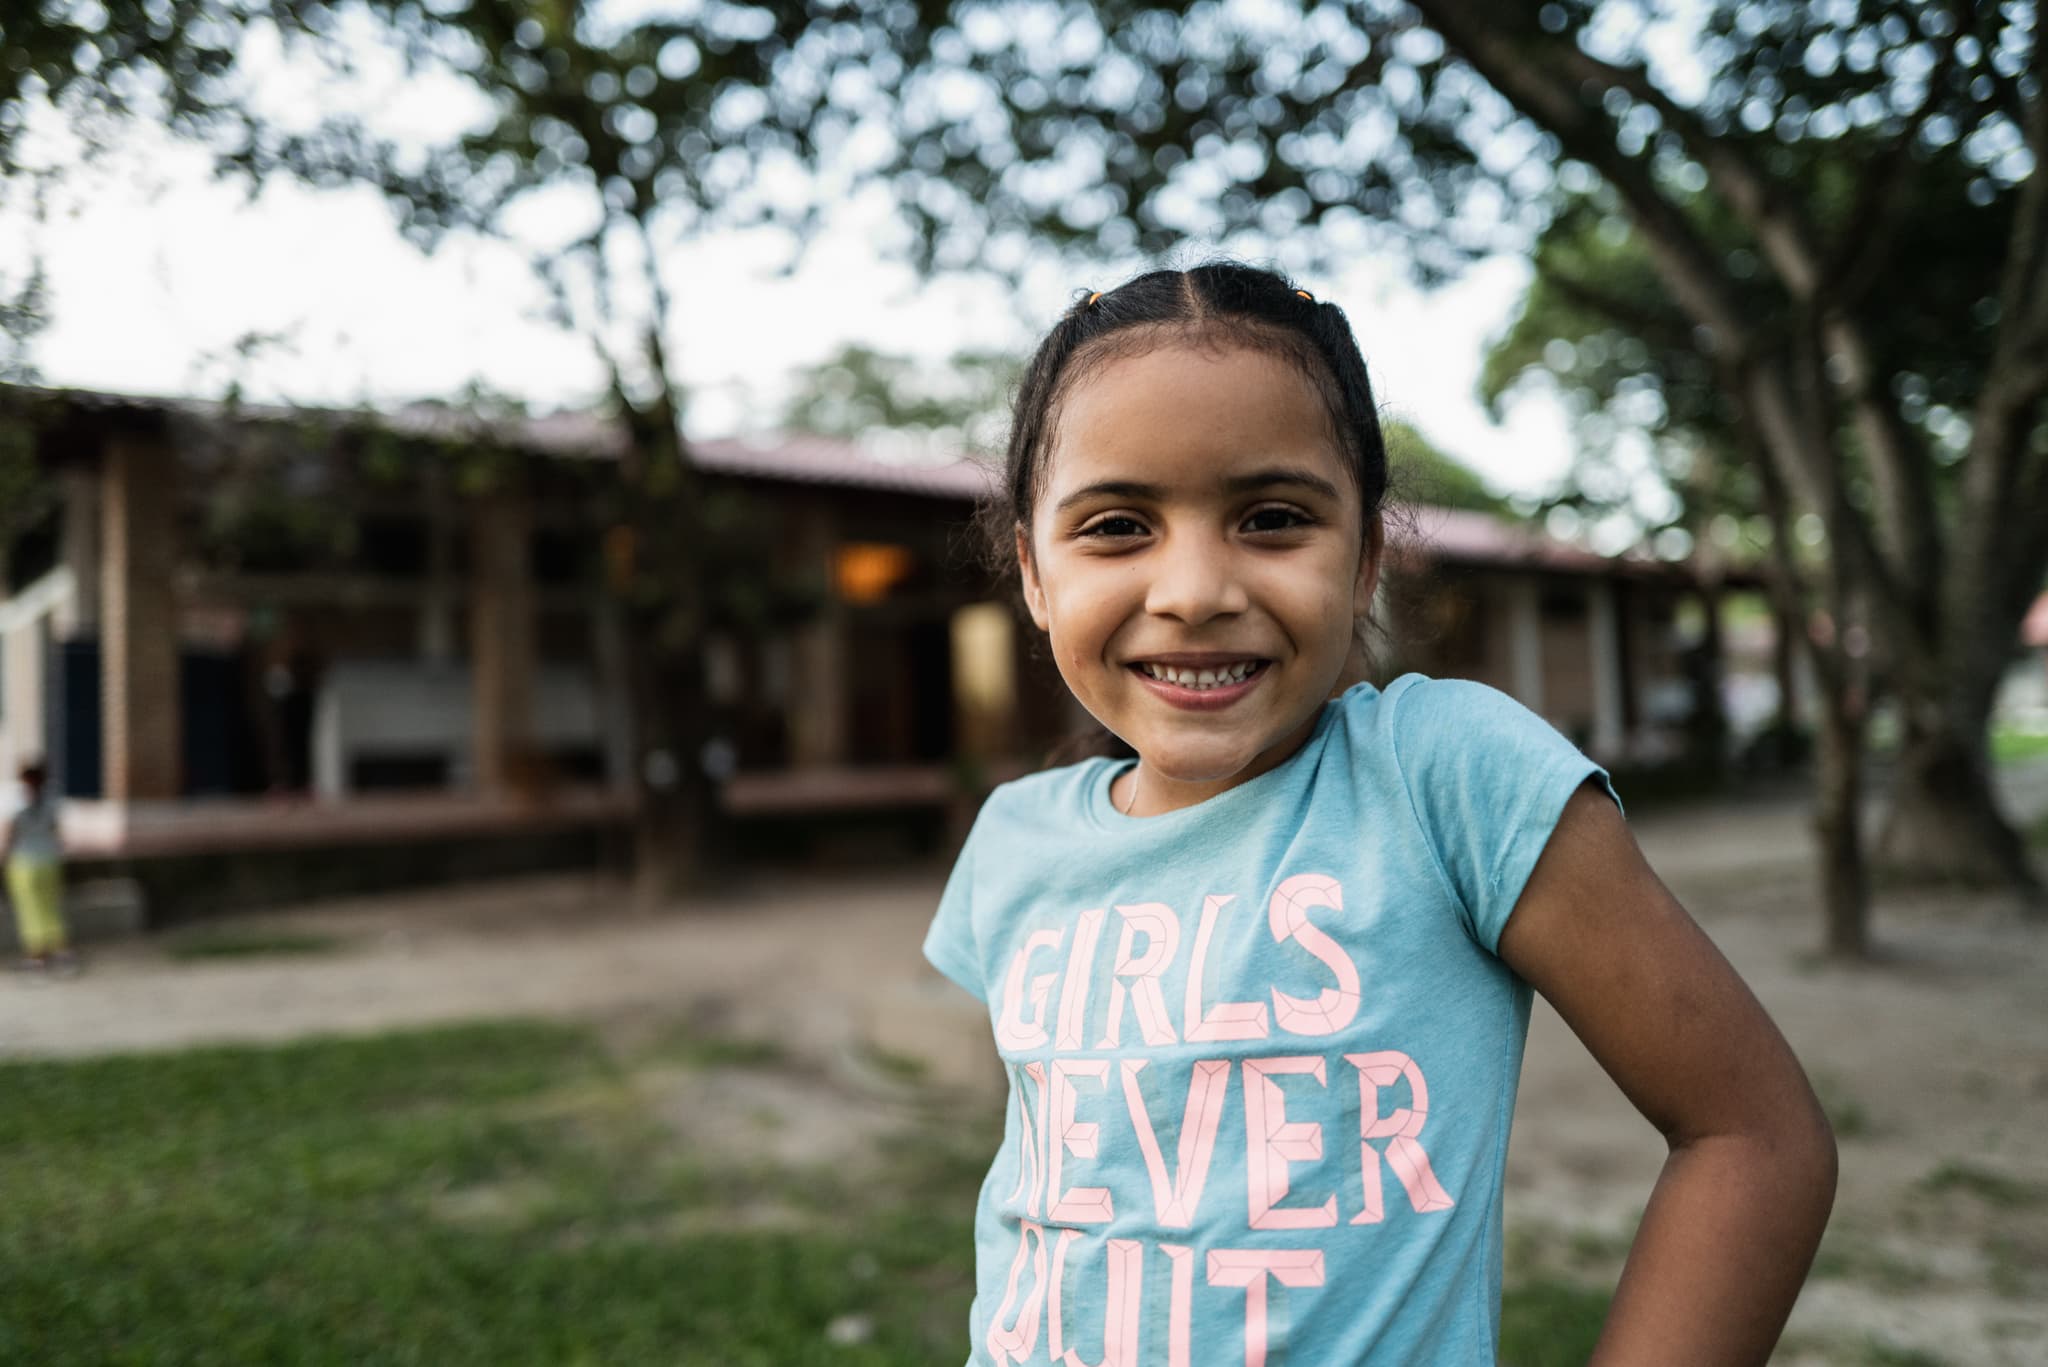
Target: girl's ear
column 1368, row 567
column 1034, row 592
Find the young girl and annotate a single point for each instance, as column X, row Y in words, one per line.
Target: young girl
column 1262, row 991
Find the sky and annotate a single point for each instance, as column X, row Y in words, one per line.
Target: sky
column 156, row 269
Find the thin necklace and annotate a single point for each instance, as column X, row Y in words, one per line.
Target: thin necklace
column 1132, row 800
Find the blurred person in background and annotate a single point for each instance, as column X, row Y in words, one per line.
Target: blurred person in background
column 33, row 853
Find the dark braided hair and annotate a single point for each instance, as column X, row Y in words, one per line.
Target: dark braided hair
column 1218, row 305
column 1221, row 304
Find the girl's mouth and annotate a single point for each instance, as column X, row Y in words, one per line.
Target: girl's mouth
column 1203, row 688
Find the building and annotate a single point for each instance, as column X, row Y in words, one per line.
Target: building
column 1593, row 643
column 267, row 629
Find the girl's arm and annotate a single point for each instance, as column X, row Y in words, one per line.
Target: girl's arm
column 1738, row 1210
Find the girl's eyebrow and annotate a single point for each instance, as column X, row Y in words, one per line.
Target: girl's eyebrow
column 1111, row 488
column 1236, row 484
column 1290, row 474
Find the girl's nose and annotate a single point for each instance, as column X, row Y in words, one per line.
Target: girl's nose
column 1194, row 580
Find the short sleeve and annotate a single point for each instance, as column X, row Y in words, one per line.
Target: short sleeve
column 1488, row 780
column 950, row 943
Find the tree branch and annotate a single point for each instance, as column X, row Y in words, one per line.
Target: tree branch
column 1780, row 228
column 1645, row 323
column 1788, row 586
column 1798, row 433
column 1784, row 430
column 2005, row 480
column 1900, row 471
column 1871, row 231
column 2021, row 357
column 1690, row 267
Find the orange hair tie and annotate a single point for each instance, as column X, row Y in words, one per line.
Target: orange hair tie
column 1306, row 295
column 1092, row 298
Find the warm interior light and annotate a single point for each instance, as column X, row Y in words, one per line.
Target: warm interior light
column 865, row 571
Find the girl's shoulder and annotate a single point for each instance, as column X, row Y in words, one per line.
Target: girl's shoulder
column 1458, row 731
column 1419, row 703
column 1422, row 716
column 1486, row 780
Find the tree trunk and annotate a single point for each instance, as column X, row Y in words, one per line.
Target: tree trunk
column 1710, row 714
column 1945, row 823
column 1785, row 749
column 1845, row 886
column 677, row 806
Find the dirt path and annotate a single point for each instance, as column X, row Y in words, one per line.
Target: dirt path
column 1934, row 1064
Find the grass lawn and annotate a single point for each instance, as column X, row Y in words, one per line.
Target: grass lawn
column 2010, row 747
column 234, row 943
column 490, row 1194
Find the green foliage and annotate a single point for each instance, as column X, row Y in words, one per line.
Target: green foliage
column 2009, row 746
column 1420, row 472
column 1598, row 323
column 28, row 491
column 1847, row 1257
column 24, row 312
column 1550, row 1324
column 1308, row 131
column 959, row 407
column 963, row 406
column 1847, row 1116
column 492, row 1193
column 231, row 943
column 1884, row 1353
column 1993, row 1187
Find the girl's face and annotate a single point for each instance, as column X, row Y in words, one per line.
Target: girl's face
column 1198, row 557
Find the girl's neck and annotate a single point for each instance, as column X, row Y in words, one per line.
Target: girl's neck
column 1143, row 790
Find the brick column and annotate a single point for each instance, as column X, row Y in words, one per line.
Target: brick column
column 141, row 738
column 501, row 643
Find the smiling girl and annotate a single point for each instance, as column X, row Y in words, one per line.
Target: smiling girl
column 1261, row 993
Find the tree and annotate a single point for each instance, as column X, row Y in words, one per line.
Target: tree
column 1442, row 127
column 963, row 407
column 655, row 127
column 1422, row 472
column 960, row 407
column 1623, row 356
column 25, row 496
column 1455, row 128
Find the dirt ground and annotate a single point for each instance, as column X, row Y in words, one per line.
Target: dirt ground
column 1933, row 1064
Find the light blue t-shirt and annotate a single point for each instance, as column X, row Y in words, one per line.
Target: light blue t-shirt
column 1262, row 1054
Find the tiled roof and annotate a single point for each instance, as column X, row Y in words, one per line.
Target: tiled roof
column 1462, row 537
column 797, row 457
column 828, row 460
column 1442, row 535
column 800, row 458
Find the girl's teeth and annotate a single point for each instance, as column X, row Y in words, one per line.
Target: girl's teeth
column 1202, row 678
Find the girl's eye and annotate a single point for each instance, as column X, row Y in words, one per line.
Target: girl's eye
column 1276, row 520
column 1114, row 527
